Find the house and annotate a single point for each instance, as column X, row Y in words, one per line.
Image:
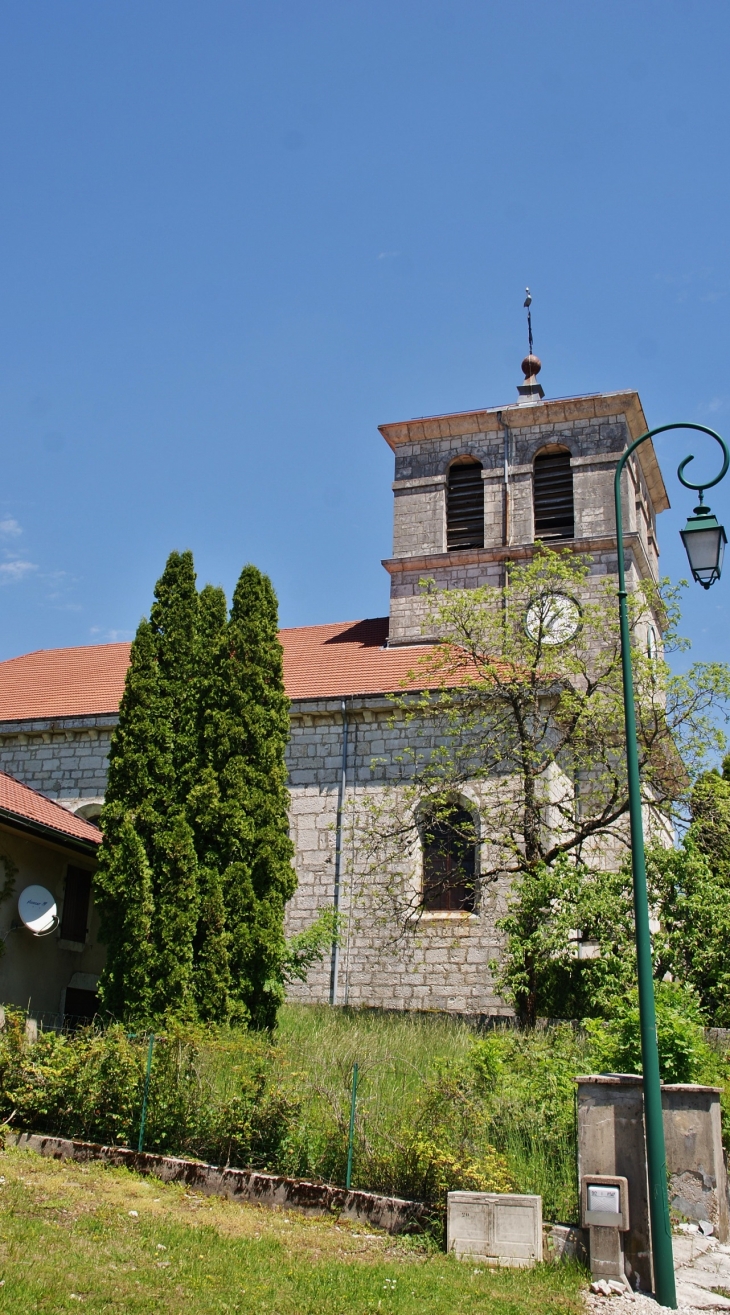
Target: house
column 43, row 844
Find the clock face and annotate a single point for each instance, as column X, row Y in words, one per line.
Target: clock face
column 553, row 618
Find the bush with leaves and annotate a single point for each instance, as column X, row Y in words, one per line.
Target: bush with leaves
column 90, row 1085
column 684, row 1054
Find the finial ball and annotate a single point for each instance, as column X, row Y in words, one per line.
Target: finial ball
column 531, row 366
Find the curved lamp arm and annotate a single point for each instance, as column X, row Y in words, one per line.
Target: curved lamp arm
column 707, row 484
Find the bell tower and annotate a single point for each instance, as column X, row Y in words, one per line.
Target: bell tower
column 475, row 489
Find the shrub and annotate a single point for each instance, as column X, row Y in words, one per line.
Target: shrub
column 684, row 1055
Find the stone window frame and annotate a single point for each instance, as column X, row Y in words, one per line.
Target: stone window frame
column 471, row 806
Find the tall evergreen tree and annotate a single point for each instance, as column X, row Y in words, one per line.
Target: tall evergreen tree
column 152, row 763
column 213, row 993
column 195, row 865
column 245, row 740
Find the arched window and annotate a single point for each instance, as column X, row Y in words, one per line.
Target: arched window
column 449, row 859
column 553, row 496
column 465, row 505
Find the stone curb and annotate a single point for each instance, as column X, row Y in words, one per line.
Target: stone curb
column 390, row 1213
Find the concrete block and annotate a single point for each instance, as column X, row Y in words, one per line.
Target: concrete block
column 499, row 1228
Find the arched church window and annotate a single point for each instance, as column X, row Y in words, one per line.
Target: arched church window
column 465, row 505
column 553, row 496
column 449, row 844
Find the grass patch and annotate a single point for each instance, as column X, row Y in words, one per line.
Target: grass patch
column 68, row 1242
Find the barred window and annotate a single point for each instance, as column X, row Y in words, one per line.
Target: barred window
column 465, row 505
column 553, row 496
column 449, row 860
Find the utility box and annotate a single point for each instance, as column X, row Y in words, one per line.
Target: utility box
column 498, row 1228
column 605, row 1213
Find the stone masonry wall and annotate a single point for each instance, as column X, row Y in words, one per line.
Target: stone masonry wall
column 65, row 758
column 419, row 508
column 443, row 962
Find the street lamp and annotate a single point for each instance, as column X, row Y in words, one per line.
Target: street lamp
column 704, row 540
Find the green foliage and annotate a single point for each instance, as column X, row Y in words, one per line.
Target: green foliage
column 689, row 895
column 440, row 1107
column 684, row 1055
column 90, row 1085
column 195, row 866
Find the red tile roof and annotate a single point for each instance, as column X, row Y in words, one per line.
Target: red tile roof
column 63, row 682
column 334, row 661
column 320, row 662
column 31, row 807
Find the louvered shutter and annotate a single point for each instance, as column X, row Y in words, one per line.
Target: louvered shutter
column 553, row 497
column 465, row 507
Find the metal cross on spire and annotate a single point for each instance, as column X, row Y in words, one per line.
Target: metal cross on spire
column 528, row 303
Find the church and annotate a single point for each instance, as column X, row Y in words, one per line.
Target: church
column 472, row 492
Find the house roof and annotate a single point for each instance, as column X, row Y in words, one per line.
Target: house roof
column 31, row 811
column 320, row 662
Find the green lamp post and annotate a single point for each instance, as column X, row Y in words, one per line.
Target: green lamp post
column 704, row 541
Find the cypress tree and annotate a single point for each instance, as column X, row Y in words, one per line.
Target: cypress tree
column 147, row 867
column 195, row 866
column 245, row 740
column 212, row 941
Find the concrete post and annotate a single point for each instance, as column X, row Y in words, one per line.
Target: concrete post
column 611, row 1142
column 695, row 1160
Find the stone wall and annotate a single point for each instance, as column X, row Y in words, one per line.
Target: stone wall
column 419, row 524
column 440, row 960
column 65, row 758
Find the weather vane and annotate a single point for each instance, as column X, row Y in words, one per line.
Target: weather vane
column 528, row 303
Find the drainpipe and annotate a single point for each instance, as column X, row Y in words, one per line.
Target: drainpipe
column 335, row 960
column 505, row 505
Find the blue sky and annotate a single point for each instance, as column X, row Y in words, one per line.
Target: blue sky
column 235, row 237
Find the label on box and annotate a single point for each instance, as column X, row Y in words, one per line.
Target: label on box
column 607, row 1200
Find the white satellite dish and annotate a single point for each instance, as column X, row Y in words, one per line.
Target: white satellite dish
column 37, row 909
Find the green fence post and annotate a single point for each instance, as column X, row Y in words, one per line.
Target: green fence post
column 351, row 1138
column 140, row 1143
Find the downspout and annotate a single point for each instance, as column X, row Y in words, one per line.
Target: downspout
column 335, row 959
column 505, row 503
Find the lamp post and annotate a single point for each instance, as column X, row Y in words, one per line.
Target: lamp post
column 704, row 541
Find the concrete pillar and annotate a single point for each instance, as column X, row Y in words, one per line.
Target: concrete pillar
column 611, row 1142
column 695, row 1160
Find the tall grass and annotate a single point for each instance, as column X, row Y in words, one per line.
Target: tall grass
column 440, row 1105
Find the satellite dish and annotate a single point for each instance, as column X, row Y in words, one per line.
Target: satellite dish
column 37, row 909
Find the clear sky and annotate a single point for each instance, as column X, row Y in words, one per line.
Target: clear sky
column 235, row 237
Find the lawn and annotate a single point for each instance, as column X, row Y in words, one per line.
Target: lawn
column 100, row 1239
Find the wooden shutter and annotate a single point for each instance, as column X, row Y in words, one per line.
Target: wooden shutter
column 553, row 496
column 449, row 864
column 465, row 507
column 76, row 905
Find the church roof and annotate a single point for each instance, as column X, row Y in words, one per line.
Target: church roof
column 33, row 812
column 335, row 661
column 320, row 662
